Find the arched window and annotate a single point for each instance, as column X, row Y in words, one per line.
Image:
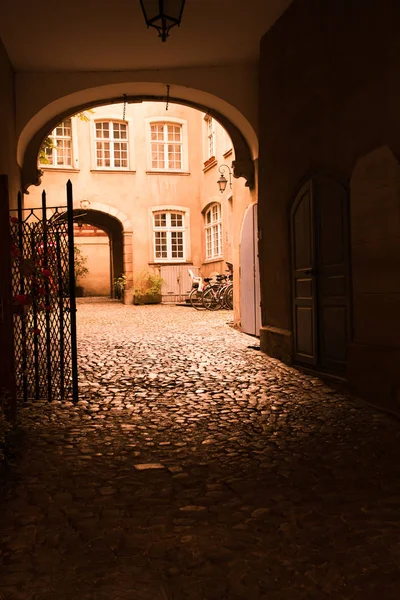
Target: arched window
column 213, row 228
column 111, row 142
column 169, row 236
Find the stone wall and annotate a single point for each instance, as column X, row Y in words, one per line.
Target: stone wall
column 9, row 184
column 329, row 94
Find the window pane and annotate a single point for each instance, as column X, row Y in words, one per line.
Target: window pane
column 174, row 156
column 103, row 154
column 174, row 133
column 160, row 238
column 63, row 152
column 49, row 155
column 120, row 131
column 208, row 243
column 103, row 130
column 157, row 156
column 160, row 220
column 176, row 220
column 63, row 129
column 177, row 244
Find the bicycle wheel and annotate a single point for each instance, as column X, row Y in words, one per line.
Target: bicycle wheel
column 228, row 297
column 196, row 299
column 211, row 299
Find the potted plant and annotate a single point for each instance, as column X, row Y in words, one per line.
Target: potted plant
column 119, row 286
column 147, row 288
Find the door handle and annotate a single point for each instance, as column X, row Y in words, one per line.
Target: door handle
column 310, row 272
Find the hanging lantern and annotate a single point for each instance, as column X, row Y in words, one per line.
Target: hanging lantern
column 222, row 181
column 162, row 15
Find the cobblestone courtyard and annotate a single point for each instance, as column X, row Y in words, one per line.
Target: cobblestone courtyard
column 265, row 483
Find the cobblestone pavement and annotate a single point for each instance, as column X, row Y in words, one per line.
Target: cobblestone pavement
column 196, row 468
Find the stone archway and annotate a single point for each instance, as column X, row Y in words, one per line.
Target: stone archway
column 119, row 230
column 239, row 128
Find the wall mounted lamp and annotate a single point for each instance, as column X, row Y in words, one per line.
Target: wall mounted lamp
column 162, row 15
column 85, row 204
column 222, row 181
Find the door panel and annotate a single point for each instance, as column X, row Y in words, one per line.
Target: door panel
column 250, row 310
column 257, row 290
column 331, row 214
column 176, row 282
column 303, row 273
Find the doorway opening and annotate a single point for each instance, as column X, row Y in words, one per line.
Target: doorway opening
column 98, row 238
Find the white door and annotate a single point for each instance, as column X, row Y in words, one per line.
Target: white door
column 176, row 282
column 250, row 309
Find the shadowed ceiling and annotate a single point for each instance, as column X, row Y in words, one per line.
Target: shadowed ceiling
column 89, row 35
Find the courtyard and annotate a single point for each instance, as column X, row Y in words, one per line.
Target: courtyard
column 194, row 467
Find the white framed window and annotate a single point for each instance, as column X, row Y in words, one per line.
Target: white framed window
column 111, row 144
column 58, row 149
column 167, row 145
column 169, row 236
column 213, row 229
column 210, row 137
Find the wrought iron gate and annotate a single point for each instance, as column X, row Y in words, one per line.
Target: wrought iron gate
column 43, row 287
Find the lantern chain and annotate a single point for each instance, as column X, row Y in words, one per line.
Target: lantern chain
column 124, row 109
column 167, row 98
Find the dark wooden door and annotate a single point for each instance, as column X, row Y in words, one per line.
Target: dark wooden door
column 332, row 264
column 320, row 271
column 304, row 280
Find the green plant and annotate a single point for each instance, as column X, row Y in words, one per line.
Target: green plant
column 119, row 286
column 147, row 283
column 80, row 264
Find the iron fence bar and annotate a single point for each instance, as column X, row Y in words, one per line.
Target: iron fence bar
column 47, row 297
column 22, row 291
column 61, row 313
column 35, row 326
column 72, row 298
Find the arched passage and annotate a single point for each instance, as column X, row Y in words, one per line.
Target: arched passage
column 113, row 227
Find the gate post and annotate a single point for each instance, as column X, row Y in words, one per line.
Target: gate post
column 72, row 297
column 7, row 367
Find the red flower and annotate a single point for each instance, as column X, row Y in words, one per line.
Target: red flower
column 14, row 250
column 22, row 300
column 36, row 331
column 46, row 272
column 41, row 291
column 14, row 219
column 48, row 308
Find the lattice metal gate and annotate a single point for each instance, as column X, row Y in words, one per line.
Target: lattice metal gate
column 44, row 301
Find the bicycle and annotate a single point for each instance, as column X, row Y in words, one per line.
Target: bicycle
column 220, row 294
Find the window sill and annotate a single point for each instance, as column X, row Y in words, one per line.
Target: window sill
column 213, row 260
column 228, row 153
column 58, row 169
column 168, row 173
column 161, row 263
column 210, row 163
column 111, row 170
